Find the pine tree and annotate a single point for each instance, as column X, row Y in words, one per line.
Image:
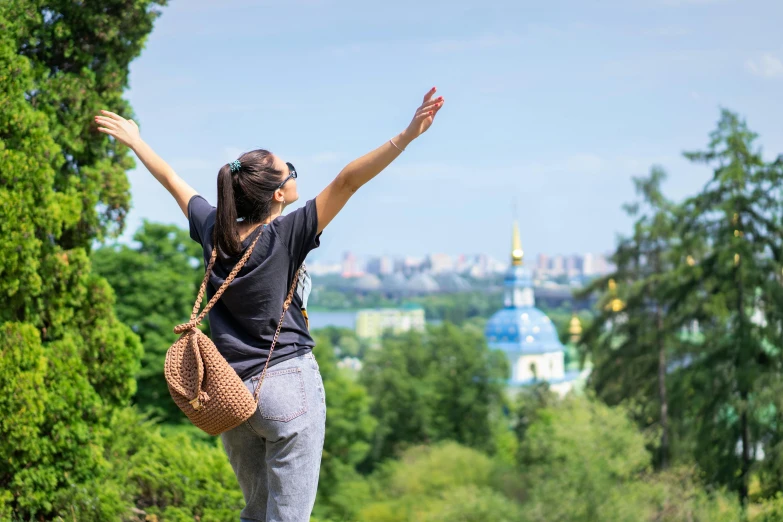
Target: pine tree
column 632, row 341
column 739, row 300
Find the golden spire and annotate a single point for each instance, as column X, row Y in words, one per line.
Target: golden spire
column 575, row 329
column 615, row 304
column 516, row 247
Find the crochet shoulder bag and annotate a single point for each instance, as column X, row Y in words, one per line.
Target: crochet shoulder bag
column 200, row 380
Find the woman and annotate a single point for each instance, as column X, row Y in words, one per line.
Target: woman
column 276, row 454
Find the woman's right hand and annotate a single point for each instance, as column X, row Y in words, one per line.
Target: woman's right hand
column 124, row 131
column 424, row 116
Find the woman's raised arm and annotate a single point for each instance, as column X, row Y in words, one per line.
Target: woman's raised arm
column 127, row 132
column 361, row 170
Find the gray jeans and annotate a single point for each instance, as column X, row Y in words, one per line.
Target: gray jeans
column 276, row 454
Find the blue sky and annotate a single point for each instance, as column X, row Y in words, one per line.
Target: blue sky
column 553, row 104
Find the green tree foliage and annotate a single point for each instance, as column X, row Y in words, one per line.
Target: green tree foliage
column 740, row 307
column 444, row 482
column 148, row 476
column 527, row 404
column 703, row 313
column 327, row 298
column 80, row 56
column 156, row 284
column 770, row 510
column 61, row 186
column 51, row 423
column 344, row 341
column 171, row 476
column 348, row 436
column 446, row 384
column 455, row 308
column 459, row 308
column 581, row 460
column 632, row 345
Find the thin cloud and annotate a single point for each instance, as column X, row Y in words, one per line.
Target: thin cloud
column 767, row 66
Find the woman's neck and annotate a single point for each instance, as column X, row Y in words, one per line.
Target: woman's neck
column 245, row 229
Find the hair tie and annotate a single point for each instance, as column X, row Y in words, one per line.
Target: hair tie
column 235, row 166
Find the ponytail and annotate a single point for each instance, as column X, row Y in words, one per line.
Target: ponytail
column 226, row 233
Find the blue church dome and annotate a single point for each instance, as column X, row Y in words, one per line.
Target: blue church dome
column 522, row 330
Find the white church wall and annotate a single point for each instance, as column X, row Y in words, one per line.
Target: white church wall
column 548, row 366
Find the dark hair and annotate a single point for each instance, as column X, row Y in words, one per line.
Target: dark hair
column 247, row 195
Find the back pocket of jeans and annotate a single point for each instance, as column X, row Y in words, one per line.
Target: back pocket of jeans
column 282, row 396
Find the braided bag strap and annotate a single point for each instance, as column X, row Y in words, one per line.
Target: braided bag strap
column 195, row 317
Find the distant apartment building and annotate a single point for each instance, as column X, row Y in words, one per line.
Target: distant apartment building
column 380, row 266
column 440, row 263
column 461, row 264
column 557, row 265
column 569, row 265
column 602, row 264
column 588, row 265
column 542, row 264
column 350, row 266
column 574, row 265
column 371, row 324
column 408, row 265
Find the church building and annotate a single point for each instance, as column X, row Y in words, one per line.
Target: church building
column 525, row 334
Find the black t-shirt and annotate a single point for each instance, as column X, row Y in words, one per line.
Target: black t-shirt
column 244, row 319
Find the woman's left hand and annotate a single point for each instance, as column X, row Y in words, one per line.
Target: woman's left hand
column 424, row 116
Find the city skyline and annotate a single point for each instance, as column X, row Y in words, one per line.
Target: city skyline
column 351, row 265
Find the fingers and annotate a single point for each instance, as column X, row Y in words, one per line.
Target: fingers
column 106, row 122
column 430, row 103
column 111, row 115
column 423, row 115
column 433, row 107
column 429, row 95
column 104, row 130
column 111, row 120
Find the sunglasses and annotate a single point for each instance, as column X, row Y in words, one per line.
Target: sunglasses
column 291, row 174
